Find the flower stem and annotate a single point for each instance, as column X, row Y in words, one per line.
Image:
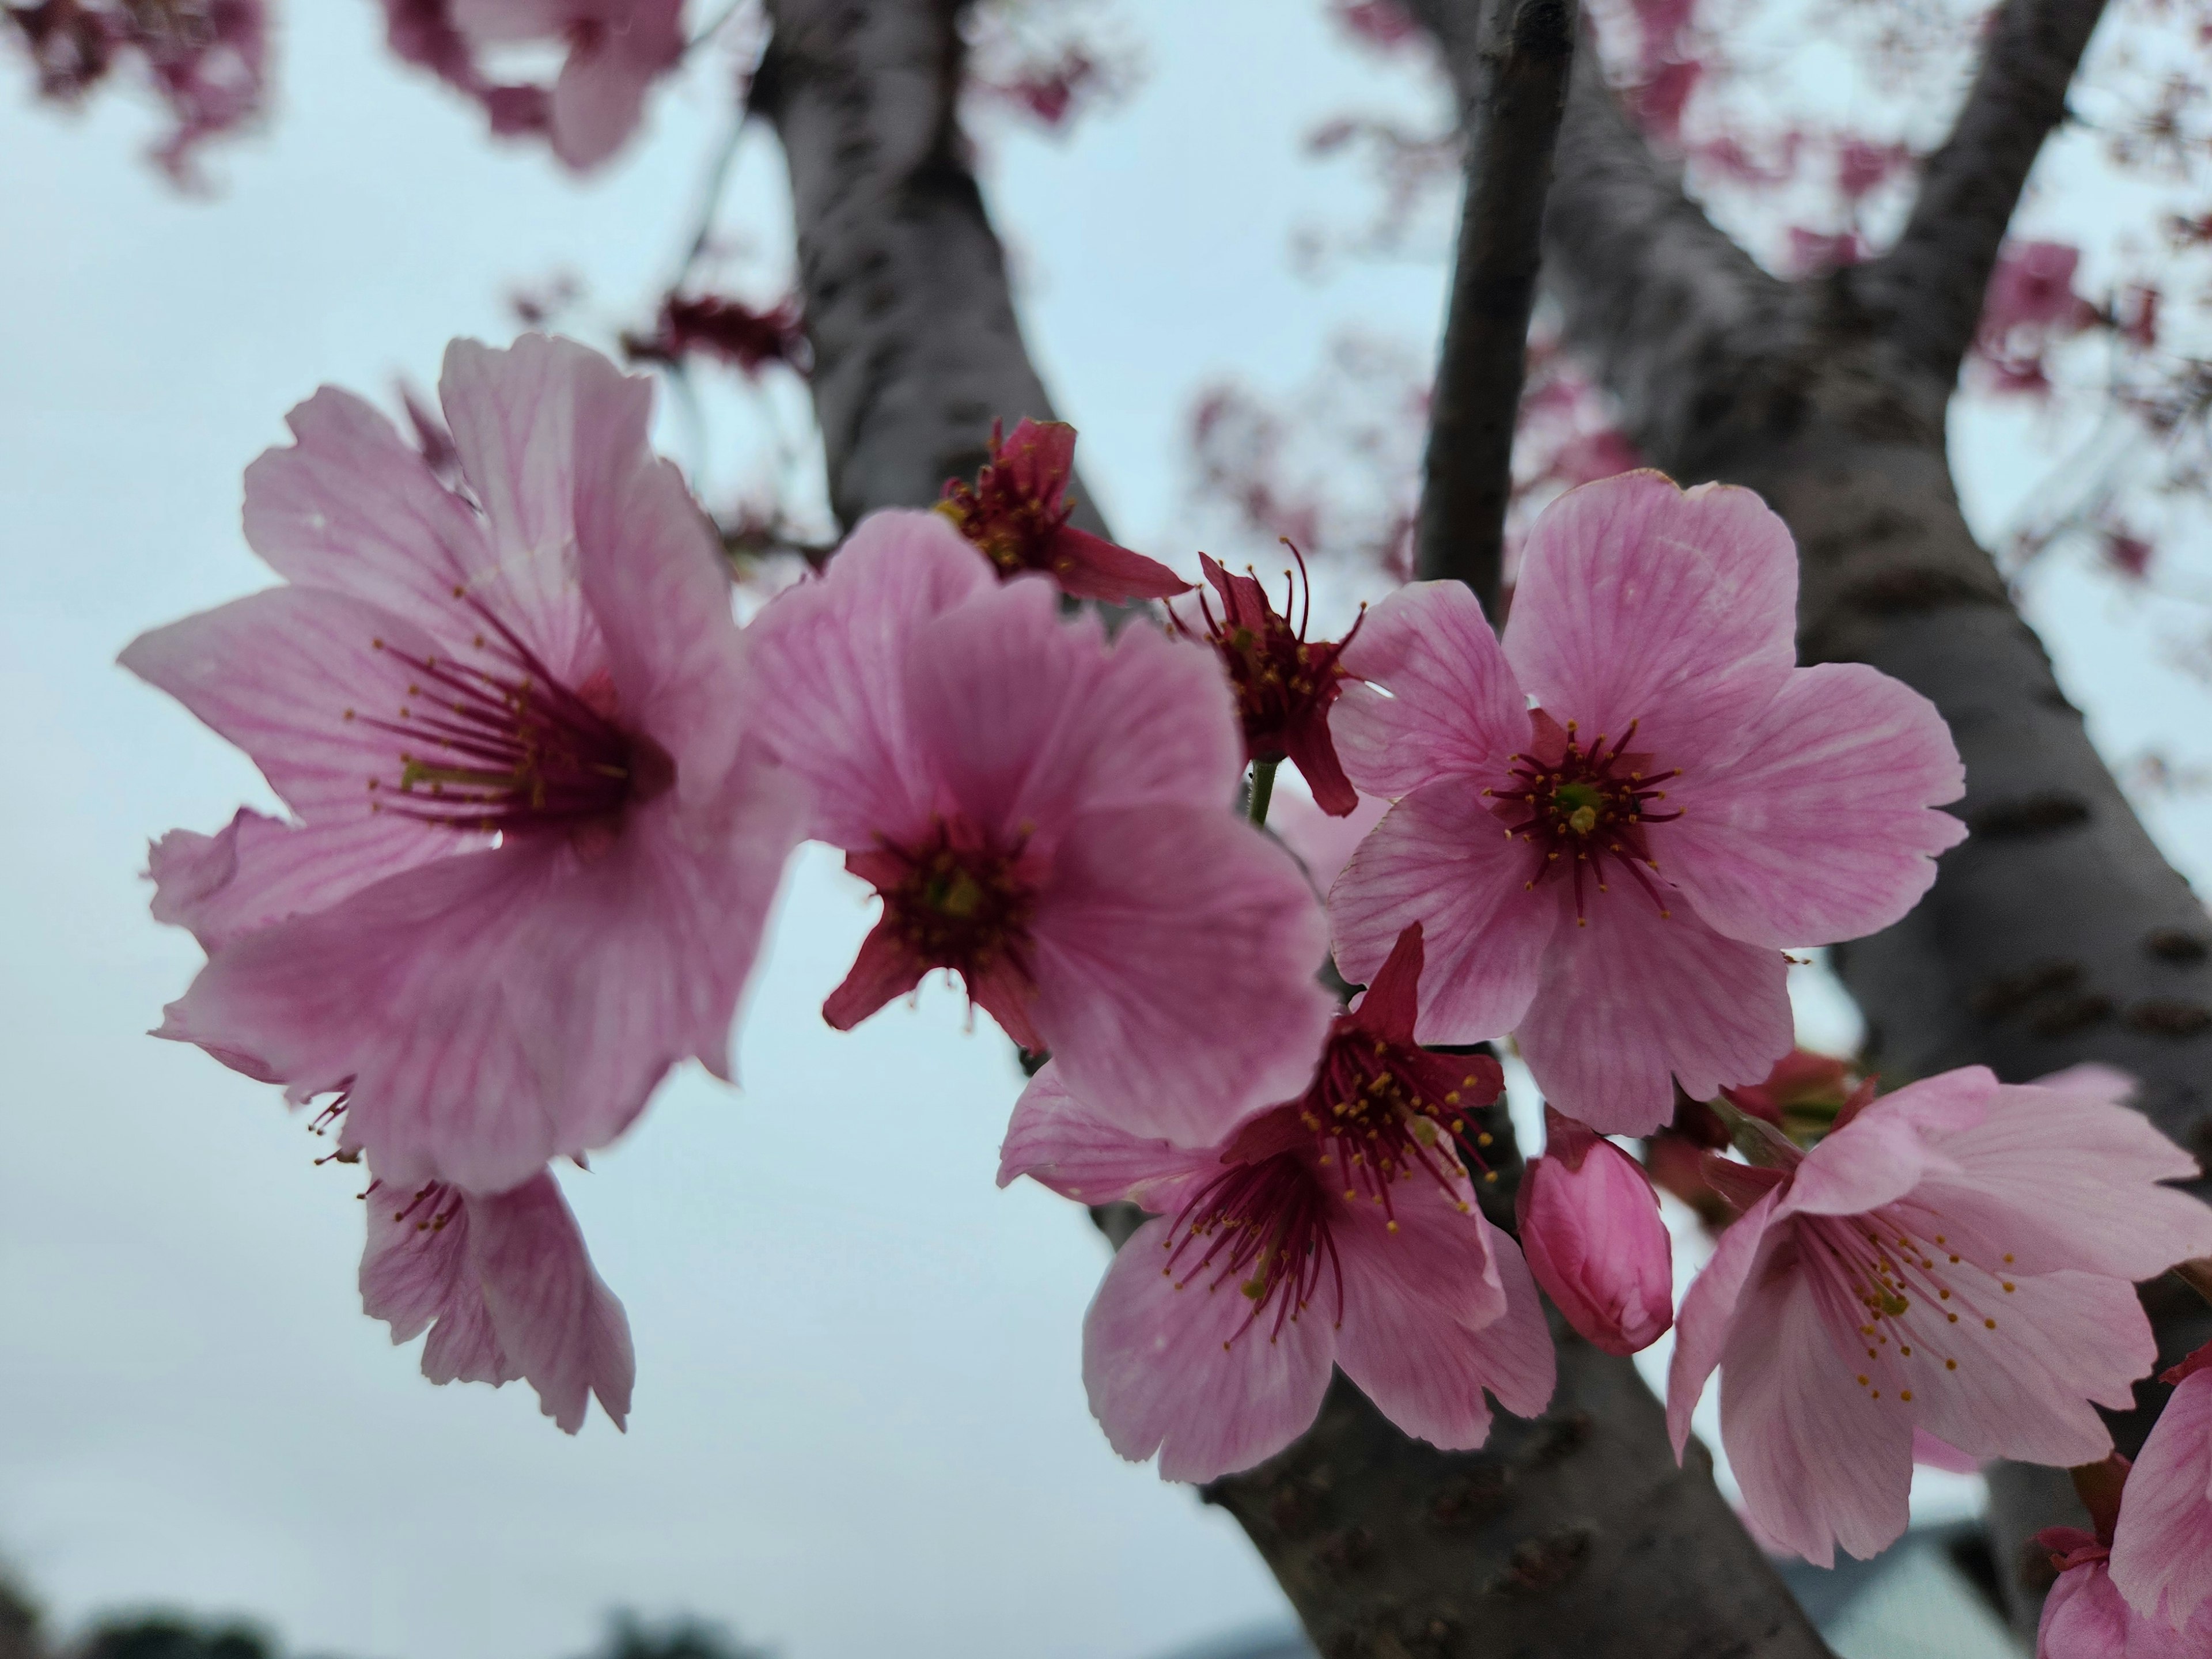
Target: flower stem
column 1263, row 788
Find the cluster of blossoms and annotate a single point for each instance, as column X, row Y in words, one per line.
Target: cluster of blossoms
column 544, row 788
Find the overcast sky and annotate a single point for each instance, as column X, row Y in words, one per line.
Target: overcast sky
column 858, row 1428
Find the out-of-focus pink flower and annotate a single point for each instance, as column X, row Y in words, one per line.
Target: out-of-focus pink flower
column 2086, row 1616
column 1324, row 843
column 1285, row 683
column 1589, row 1224
column 729, row 329
column 534, row 847
column 1862, row 167
column 2031, row 305
column 2162, row 1545
column 506, row 1288
column 1048, row 816
column 1016, row 512
column 206, row 59
column 1337, row 1229
column 617, row 49
column 1383, row 24
column 1613, row 875
column 1957, row 1257
column 1813, row 251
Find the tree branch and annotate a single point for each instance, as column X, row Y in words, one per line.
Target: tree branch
column 1929, row 287
column 1511, row 121
column 917, row 346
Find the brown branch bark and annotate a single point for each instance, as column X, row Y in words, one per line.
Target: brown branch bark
column 917, row 346
column 1510, row 122
column 2057, row 933
column 1929, row 287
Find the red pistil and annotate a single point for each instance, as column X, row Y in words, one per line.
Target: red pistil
column 1285, row 683
column 506, row 747
column 1581, row 807
column 1266, row 1225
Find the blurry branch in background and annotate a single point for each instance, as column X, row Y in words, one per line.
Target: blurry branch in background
column 1511, row 120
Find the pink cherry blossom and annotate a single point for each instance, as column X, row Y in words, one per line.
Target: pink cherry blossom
column 1957, row 1256
column 1323, row 842
column 1337, row 1229
column 1613, row 875
column 533, row 849
column 615, row 50
column 2162, row 1545
column 2086, row 1616
column 1048, row 815
column 506, row 1290
column 1589, row 1225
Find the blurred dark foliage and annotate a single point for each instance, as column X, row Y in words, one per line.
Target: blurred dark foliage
column 683, row 1638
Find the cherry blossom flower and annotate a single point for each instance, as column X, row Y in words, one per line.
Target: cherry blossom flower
column 506, row 1290
column 1957, row 1256
column 615, row 50
column 2162, row 1545
column 1285, row 683
column 1590, row 1227
column 535, row 845
column 1016, row 512
column 1613, row 874
column 1336, row 1228
column 1047, row 815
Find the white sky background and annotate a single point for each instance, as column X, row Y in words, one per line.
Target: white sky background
column 859, row 1426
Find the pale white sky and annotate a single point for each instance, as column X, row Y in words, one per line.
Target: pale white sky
column 859, row 1426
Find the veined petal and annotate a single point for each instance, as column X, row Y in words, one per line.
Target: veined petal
column 1187, row 1372
column 1708, row 1311
column 2162, row 1546
column 561, row 1326
column 540, row 426
column 830, row 657
column 1675, row 608
column 1440, row 859
column 1453, row 708
column 1174, row 952
column 1824, row 828
column 1061, row 1142
column 1634, row 997
column 257, row 870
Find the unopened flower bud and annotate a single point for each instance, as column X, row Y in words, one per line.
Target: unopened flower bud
column 1591, row 1229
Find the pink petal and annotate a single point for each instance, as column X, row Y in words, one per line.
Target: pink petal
column 2162, row 1546
column 1030, row 720
column 1088, row 567
column 1823, row 829
column 257, row 870
column 600, row 92
column 1928, row 1452
column 1189, row 1374
column 1708, row 1313
column 1322, row 842
column 1419, row 1343
column 2105, row 1086
column 1819, row 1459
column 660, row 592
column 494, row 1010
column 830, row 655
column 1637, row 601
column 1454, row 708
column 1891, row 1146
column 541, row 427
column 1055, row 1139
column 2086, row 1616
column 1175, row 950
column 560, row 1325
column 352, row 508
column 1634, row 997
column 2051, row 1179
column 1440, row 859
column 884, row 971
column 416, row 1275
column 294, row 676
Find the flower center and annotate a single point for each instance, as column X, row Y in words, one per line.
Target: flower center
column 1906, row 1300
column 1382, row 1112
column 1265, row 1225
column 502, row 746
column 957, row 903
column 1583, row 809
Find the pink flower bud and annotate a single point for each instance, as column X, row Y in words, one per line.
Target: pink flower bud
column 1590, row 1228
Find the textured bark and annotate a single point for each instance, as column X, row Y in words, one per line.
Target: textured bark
column 916, row 347
column 1929, row 286
column 2057, row 933
column 1511, row 121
